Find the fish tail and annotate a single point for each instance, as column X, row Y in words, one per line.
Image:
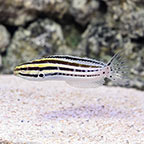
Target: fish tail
column 119, row 70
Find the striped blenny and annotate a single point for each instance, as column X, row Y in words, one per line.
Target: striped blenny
column 76, row 71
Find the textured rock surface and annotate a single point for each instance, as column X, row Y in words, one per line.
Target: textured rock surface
column 53, row 112
column 4, row 38
column 101, row 40
column 0, row 61
column 28, row 44
column 18, row 12
column 84, row 10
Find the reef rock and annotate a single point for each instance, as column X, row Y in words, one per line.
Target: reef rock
column 102, row 41
column 0, row 61
column 85, row 11
column 4, row 38
column 127, row 16
column 39, row 39
column 18, row 12
column 100, row 38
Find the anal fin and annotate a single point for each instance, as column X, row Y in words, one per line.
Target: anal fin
column 85, row 83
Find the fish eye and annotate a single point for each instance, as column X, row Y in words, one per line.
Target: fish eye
column 41, row 74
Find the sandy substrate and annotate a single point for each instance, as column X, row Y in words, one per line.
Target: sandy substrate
column 52, row 112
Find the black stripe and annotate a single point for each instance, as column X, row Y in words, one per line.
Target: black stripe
column 29, row 75
column 75, row 58
column 37, row 68
column 55, row 74
column 79, row 70
column 54, row 68
column 51, row 74
column 76, row 75
column 66, row 69
column 63, row 62
column 47, row 60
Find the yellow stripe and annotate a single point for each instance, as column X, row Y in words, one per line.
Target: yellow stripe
column 37, row 65
column 36, row 72
column 53, row 71
column 47, row 65
column 82, row 62
column 48, row 59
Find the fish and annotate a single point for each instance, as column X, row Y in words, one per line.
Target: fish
column 75, row 71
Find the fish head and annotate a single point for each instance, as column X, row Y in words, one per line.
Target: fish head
column 29, row 71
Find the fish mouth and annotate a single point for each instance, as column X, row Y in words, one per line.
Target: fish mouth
column 15, row 71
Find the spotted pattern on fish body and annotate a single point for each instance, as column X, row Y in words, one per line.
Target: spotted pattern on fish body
column 76, row 71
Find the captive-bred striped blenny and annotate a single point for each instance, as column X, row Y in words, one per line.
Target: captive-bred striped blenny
column 76, row 71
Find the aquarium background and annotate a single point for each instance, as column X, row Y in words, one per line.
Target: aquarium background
column 97, row 29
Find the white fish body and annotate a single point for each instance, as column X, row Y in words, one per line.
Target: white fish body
column 76, row 71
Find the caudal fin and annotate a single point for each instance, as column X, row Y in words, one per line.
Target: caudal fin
column 119, row 69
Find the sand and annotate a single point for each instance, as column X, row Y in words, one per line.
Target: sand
column 52, row 112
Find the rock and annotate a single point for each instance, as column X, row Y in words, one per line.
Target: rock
column 72, row 36
column 127, row 16
column 133, row 24
column 15, row 12
column 52, row 112
column 41, row 38
column 56, row 7
column 85, row 11
column 101, row 41
column 123, row 28
column 91, row 28
column 137, row 67
column 4, row 38
column 100, row 38
column 0, row 61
